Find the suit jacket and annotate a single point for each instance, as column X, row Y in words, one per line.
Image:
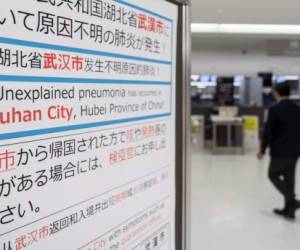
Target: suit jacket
column 282, row 130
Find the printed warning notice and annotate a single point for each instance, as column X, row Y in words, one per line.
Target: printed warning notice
column 87, row 124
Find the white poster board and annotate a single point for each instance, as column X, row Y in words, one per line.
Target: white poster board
column 87, row 124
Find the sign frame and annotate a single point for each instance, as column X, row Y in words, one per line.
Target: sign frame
column 183, row 126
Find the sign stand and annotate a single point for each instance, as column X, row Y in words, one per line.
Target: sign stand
column 95, row 125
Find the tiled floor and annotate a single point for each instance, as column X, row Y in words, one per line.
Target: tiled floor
column 232, row 202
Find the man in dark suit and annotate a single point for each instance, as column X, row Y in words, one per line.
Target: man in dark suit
column 282, row 135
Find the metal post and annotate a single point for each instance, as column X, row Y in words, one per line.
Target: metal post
column 187, row 127
column 183, row 128
column 186, row 161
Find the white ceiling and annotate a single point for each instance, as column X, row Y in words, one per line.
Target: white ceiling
column 236, row 53
column 246, row 11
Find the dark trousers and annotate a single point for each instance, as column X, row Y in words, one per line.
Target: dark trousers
column 282, row 174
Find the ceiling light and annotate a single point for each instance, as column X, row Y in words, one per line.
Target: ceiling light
column 264, row 29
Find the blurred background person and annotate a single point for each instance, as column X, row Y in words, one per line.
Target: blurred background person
column 282, row 135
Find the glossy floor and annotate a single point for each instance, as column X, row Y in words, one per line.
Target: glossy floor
column 232, row 202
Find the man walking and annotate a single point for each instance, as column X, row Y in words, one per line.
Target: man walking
column 282, row 135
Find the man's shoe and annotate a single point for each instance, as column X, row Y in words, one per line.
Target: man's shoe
column 290, row 214
column 286, row 213
column 280, row 212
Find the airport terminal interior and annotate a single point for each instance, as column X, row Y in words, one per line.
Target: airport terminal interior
column 116, row 135
column 232, row 198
